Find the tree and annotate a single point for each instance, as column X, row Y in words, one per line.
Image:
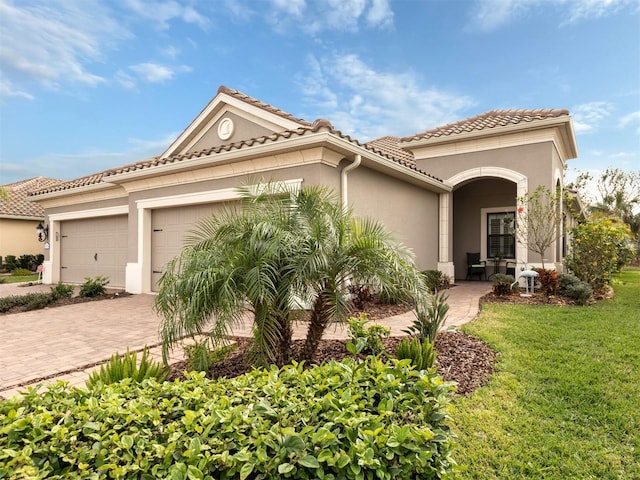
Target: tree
column 539, row 220
column 598, row 248
column 274, row 251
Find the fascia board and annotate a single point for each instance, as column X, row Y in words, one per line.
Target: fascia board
column 460, row 137
column 75, row 191
column 5, row 216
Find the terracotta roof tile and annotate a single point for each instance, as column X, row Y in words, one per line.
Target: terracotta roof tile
column 391, row 153
column 488, row 120
column 17, row 205
column 257, row 103
column 389, row 146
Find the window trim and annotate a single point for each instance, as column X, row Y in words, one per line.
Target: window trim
column 483, row 228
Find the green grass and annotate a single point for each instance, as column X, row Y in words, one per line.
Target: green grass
column 565, row 402
column 18, row 278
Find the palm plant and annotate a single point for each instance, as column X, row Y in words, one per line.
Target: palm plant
column 279, row 249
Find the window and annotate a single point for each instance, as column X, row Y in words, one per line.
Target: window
column 501, row 241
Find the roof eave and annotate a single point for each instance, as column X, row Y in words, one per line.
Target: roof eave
column 102, row 185
column 563, row 122
column 323, row 138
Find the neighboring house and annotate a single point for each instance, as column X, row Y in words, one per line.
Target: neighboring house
column 444, row 192
column 19, row 217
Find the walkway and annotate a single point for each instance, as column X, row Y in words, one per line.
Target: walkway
column 66, row 343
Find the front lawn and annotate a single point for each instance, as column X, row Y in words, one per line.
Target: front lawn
column 565, row 402
column 18, row 278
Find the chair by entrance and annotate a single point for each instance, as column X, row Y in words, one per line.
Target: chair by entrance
column 475, row 266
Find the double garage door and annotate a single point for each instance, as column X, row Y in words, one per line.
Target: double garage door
column 170, row 227
column 92, row 247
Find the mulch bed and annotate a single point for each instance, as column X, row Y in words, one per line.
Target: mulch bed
column 71, row 301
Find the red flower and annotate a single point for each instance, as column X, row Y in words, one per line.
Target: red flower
column 520, row 209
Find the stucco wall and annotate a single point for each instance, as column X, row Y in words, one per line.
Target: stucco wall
column 407, row 210
column 536, row 161
column 19, row 237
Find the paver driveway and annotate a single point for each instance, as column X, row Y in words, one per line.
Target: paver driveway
column 50, row 342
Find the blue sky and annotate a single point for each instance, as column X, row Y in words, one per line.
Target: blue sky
column 87, row 85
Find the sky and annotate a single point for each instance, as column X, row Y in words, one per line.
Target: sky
column 87, row 85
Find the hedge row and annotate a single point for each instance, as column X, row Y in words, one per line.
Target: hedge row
column 342, row 420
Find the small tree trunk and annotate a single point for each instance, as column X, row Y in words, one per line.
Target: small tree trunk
column 317, row 325
column 286, row 334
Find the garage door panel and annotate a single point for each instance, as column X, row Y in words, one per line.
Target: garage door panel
column 92, row 247
column 170, row 227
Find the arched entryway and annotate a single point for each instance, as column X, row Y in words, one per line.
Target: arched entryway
column 484, row 205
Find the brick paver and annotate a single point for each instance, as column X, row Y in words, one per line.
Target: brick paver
column 67, row 342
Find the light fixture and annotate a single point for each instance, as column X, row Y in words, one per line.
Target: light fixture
column 43, row 232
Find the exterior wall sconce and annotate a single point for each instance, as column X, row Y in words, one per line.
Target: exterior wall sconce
column 43, row 232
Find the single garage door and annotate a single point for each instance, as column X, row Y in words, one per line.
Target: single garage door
column 92, row 247
column 170, row 226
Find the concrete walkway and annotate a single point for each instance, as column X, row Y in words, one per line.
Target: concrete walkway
column 67, row 343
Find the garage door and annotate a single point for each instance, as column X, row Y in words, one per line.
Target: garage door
column 170, row 226
column 92, row 247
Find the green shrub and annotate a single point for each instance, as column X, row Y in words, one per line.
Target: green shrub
column 20, row 272
column 29, row 262
column 200, row 357
column 596, row 250
column 365, row 339
column 94, row 287
column 436, row 280
column 502, row 284
column 30, row 301
column 565, row 280
column 61, row 291
column 10, row 262
column 431, row 313
column 126, row 366
column 580, row 292
column 342, row 420
column 421, row 353
column 37, row 301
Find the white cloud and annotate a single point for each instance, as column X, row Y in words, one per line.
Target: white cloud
column 368, row 103
column 631, row 118
column 490, row 15
column 163, row 11
column 157, row 73
column 587, row 116
column 334, row 15
column 7, row 90
column 48, row 42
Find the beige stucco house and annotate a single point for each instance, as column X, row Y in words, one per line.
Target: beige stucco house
column 19, row 217
column 444, row 192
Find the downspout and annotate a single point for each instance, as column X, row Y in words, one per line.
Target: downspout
column 343, row 179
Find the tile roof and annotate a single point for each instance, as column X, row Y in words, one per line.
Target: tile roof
column 488, row 120
column 391, row 153
column 17, row 205
column 264, row 106
column 389, row 146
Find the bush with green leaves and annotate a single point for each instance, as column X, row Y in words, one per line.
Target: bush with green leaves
column 421, row 353
column 595, row 250
column 21, row 272
column 571, row 286
column 200, row 356
column 365, row 339
column 94, row 287
column 30, row 262
column 436, row 280
column 502, row 284
column 30, row 301
column 61, row 291
column 124, row 366
column 10, row 262
column 342, row 420
column 431, row 313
